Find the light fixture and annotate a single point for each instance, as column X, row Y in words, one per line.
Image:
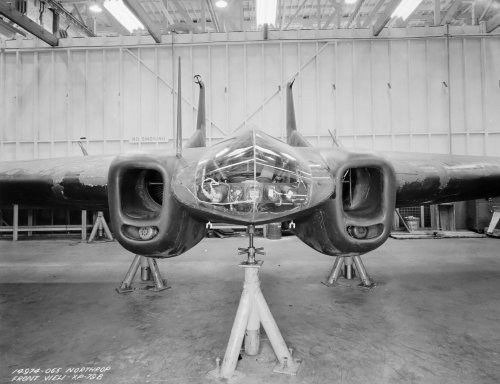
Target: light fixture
column 349, row 2
column 221, row 3
column 405, row 8
column 95, row 7
column 124, row 16
column 266, row 12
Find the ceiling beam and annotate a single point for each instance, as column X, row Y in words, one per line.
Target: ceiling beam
column 9, row 29
column 385, row 17
column 486, row 9
column 295, row 14
column 331, row 17
column 318, row 14
column 213, row 15
column 75, row 12
column 493, row 23
column 57, row 7
column 437, row 12
column 450, row 12
column 29, row 25
column 369, row 19
column 406, row 23
column 203, row 16
column 282, row 8
column 184, row 14
column 143, row 17
column 354, row 13
column 115, row 24
column 164, row 8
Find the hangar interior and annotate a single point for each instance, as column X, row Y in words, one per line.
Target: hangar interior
column 74, row 81
column 424, row 85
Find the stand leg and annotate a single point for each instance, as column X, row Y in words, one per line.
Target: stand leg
column 160, row 284
column 287, row 364
column 236, row 338
column 252, row 334
column 494, row 221
column 335, row 273
column 106, row 228
column 365, row 279
column 348, row 269
column 127, row 282
column 145, row 270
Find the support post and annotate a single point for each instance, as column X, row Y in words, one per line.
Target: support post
column 349, row 273
column 30, row 221
column 252, row 334
column 84, row 225
column 15, row 222
column 145, row 270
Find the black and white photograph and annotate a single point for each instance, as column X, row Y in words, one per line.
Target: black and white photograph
column 250, row 191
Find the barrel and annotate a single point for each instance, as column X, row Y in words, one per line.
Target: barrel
column 412, row 222
column 274, row 231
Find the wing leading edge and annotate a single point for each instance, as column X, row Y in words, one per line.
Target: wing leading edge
column 432, row 179
column 78, row 181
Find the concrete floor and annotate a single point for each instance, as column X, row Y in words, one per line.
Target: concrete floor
column 434, row 317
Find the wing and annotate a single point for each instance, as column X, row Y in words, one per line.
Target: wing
column 369, row 186
column 80, row 182
column 430, row 178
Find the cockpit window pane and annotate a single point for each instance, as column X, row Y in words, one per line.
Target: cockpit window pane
column 253, row 175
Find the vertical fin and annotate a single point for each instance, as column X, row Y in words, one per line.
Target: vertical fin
column 199, row 136
column 291, row 124
column 178, row 141
column 293, row 137
column 201, row 119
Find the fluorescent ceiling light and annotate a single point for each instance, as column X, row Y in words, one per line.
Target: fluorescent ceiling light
column 266, row 12
column 405, row 8
column 350, row 1
column 94, row 7
column 121, row 13
column 221, row 3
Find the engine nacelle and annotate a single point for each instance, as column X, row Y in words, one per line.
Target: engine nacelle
column 358, row 217
column 146, row 218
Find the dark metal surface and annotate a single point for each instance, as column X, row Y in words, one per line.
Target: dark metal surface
column 79, row 182
column 342, row 202
column 431, row 178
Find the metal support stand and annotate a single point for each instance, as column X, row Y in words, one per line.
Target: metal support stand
column 253, row 311
column 494, row 220
column 100, row 225
column 351, row 265
column 149, row 269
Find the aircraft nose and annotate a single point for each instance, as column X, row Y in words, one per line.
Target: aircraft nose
column 253, row 178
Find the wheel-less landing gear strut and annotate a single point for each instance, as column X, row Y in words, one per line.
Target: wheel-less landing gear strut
column 252, row 312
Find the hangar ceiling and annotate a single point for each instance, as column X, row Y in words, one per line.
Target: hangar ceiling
column 53, row 19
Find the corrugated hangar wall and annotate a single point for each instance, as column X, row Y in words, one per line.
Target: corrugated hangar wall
column 386, row 94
